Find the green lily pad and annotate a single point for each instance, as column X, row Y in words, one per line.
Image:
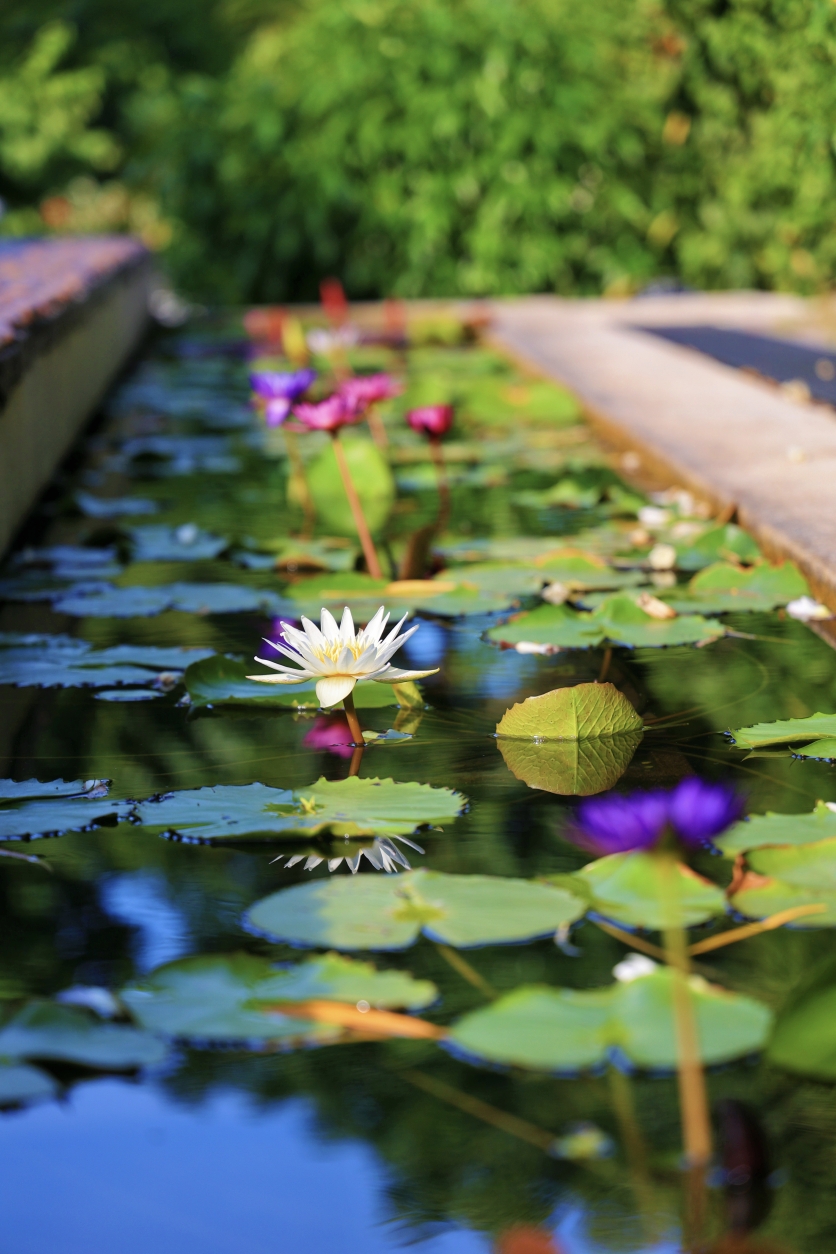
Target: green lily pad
column 582, row 712
column 715, row 545
column 624, row 622
column 571, row 768
column 34, row 819
column 631, row 888
column 722, row 588
column 189, row 598
column 347, row 807
column 372, row 912
column 585, row 571
column 43, row 1029
column 563, row 1030
column 218, row 997
column 824, row 750
column 220, row 680
column 66, row 662
column 554, row 626
column 21, row 1084
column 781, row 877
column 779, row 829
column 186, row 543
column 372, row 478
column 30, row 789
column 804, row 1040
column 786, row 731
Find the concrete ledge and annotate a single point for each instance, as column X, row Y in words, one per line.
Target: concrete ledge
column 736, row 442
column 71, row 312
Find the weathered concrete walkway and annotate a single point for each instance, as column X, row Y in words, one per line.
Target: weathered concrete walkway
column 728, row 437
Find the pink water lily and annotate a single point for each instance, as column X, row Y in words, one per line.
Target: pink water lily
column 370, row 388
column 432, row 420
column 328, row 415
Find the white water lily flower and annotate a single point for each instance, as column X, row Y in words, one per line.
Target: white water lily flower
column 806, row 610
column 337, row 657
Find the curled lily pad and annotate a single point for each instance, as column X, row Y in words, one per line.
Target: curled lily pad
column 633, row 888
column 723, row 588
column 780, row 829
column 581, row 712
column 173, row 544
column 804, row 1040
column 571, row 768
column 43, row 1029
column 348, row 807
column 21, row 1084
column 564, row 1030
column 369, row 912
column 786, row 731
column 783, row 876
column 220, row 680
column 219, row 997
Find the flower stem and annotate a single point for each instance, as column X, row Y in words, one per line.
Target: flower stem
column 437, row 454
column 377, row 428
column 365, row 536
column 300, row 482
column 353, row 720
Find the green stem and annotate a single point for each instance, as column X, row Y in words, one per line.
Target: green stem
column 365, row 536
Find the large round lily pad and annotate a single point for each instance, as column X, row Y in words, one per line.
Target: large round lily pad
column 219, row 997
column 780, row 829
column 633, row 888
column 369, row 912
column 582, row 712
column 564, row 1030
column 43, row 1029
column 347, row 807
column 723, row 588
column 571, row 768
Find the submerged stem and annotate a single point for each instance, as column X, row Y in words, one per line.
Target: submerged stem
column 365, row 536
column 437, row 454
column 463, row 967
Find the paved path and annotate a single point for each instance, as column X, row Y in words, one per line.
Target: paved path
column 733, row 440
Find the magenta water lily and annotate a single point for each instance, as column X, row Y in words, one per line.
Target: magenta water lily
column 328, row 415
column 278, row 390
column 369, row 389
column 693, row 812
column 431, row 420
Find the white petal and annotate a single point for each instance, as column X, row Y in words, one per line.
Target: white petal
column 393, row 633
column 392, row 675
column 313, row 633
column 347, row 626
column 329, row 627
column 297, row 678
column 285, row 670
column 372, row 631
column 344, row 664
column 334, row 688
column 288, row 653
column 385, row 651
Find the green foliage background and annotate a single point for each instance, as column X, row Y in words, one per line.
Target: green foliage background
column 430, row 147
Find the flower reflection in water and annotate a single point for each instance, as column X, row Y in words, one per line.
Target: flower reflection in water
column 381, row 851
column 332, row 733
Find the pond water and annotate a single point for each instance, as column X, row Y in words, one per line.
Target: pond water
column 213, row 1135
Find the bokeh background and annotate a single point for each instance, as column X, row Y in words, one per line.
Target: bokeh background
column 430, row 147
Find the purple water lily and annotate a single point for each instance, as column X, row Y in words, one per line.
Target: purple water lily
column 278, row 390
column 694, row 812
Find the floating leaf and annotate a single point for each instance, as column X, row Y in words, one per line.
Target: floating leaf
column 563, row 1030
column 190, row 598
column 786, row 731
column 34, row 819
column 21, row 1084
column 347, row 807
column 577, row 569
column 716, row 544
column 66, row 662
column 824, row 750
column 555, row 626
column 218, row 997
column 633, row 888
column 220, row 680
column 582, row 712
column 576, row 768
column 173, row 544
column 804, row 1039
column 128, row 696
column 624, row 622
column 780, row 829
column 369, row 912
column 43, row 1029
column 781, row 877
column 114, row 507
column 372, row 478
column 722, row 588
column 29, row 789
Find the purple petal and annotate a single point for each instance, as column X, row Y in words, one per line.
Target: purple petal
column 700, row 810
column 617, row 824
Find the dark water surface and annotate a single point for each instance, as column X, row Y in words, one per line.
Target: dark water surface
column 341, row 1148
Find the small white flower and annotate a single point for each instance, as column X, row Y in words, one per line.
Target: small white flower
column 633, row 967
column 337, row 657
column 806, row 609
column 662, row 557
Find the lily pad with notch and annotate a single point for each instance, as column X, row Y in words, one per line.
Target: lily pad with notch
column 723, row 588
column 780, row 877
column 633, row 889
column 717, row 544
column 347, row 807
column 564, row 1030
column 760, row 830
column 370, row 912
column 224, row 997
